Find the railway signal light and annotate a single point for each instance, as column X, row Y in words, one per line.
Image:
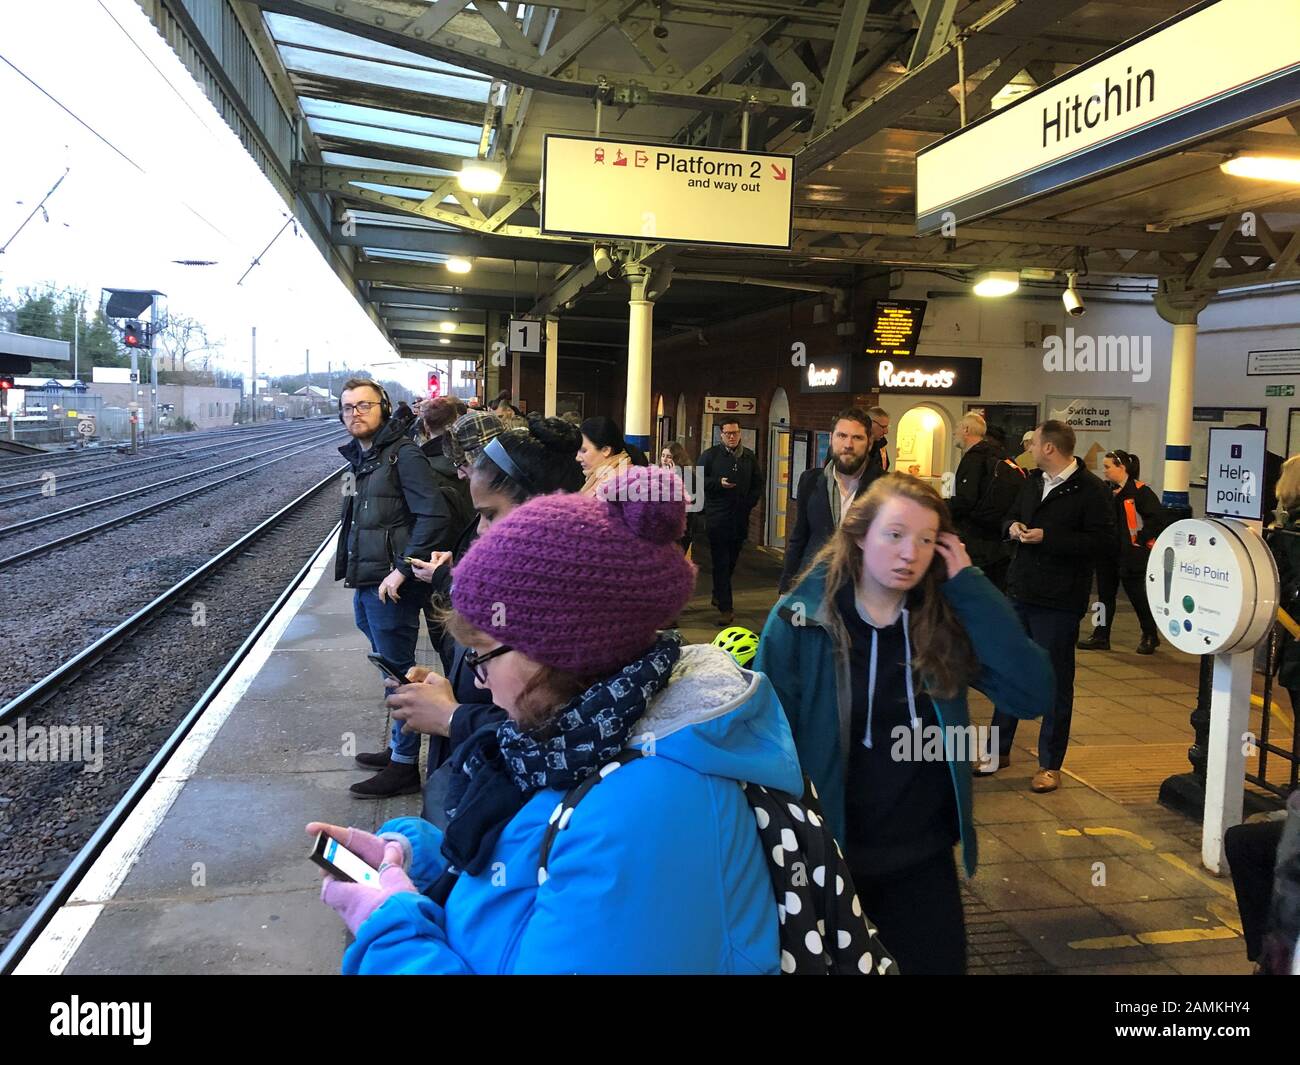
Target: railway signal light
column 6, row 382
column 135, row 335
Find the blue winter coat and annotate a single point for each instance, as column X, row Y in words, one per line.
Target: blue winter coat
column 660, row 869
column 796, row 651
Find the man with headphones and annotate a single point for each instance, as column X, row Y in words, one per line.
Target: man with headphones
column 392, row 510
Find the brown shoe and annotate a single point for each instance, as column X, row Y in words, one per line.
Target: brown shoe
column 1046, row 780
column 727, row 617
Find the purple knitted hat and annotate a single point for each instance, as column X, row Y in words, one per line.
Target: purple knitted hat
column 582, row 584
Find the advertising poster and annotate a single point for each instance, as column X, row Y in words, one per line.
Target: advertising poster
column 1100, row 424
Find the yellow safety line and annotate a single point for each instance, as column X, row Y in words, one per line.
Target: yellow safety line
column 1141, row 841
column 1103, row 943
column 1288, row 623
column 1201, row 875
column 1227, row 914
column 1186, row 935
column 1281, row 713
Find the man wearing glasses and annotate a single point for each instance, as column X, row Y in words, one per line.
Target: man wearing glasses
column 732, row 485
column 877, row 456
column 392, row 511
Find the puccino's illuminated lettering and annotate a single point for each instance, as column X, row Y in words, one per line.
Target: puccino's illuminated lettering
column 822, row 378
column 889, row 378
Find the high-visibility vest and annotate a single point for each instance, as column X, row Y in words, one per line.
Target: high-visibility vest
column 1131, row 518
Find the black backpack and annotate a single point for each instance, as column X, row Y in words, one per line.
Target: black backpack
column 1005, row 481
column 823, row 929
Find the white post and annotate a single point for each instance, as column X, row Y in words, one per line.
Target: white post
column 1225, row 767
column 640, row 333
column 552, row 365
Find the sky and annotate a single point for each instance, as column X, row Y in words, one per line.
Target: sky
column 172, row 182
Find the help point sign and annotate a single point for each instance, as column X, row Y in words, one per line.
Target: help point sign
column 1235, row 474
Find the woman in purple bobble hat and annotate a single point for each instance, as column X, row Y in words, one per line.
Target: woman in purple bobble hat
column 660, row 869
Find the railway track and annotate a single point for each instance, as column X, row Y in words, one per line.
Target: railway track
column 57, row 818
column 141, row 512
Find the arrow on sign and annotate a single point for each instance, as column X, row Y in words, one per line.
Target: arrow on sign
column 778, row 172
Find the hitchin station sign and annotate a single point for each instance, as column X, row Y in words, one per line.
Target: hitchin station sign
column 636, row 190
column 1221, row 65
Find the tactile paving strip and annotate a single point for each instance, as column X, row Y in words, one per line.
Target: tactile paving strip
column 1132, row 773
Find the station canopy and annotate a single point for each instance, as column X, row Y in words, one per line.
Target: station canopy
column 395, row 96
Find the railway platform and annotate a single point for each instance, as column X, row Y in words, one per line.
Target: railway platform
column 210, row 875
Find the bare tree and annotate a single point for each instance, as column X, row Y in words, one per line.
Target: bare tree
column 182, row 337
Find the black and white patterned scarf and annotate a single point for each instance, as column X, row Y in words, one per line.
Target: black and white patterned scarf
column 497, row 769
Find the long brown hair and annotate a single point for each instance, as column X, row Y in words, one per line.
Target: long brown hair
column 941, row 651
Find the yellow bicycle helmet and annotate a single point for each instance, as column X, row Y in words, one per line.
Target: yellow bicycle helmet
column 738, row 642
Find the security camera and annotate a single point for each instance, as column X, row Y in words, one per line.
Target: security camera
column 603, row 260
column 1073, row 301
column 660, row 30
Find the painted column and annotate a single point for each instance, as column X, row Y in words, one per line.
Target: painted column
column 552, row 365
column 640, row 326
column 1181, row 311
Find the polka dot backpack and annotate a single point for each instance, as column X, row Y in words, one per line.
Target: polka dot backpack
column 823, row 929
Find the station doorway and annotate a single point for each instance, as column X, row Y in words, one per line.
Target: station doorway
column 922, row 443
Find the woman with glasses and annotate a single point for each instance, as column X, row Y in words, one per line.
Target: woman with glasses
column 661, row 868
column 512, row 468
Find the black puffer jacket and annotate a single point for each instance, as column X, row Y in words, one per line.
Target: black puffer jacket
column 1078, row 523
column 455, row 487
column 395, row 509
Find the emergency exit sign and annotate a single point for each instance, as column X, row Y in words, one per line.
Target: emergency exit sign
column 1279, row 390
column 641, row 190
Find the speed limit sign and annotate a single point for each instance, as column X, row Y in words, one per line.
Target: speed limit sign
column 86, row 426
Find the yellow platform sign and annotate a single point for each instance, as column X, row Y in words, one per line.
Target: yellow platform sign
column 598, row 187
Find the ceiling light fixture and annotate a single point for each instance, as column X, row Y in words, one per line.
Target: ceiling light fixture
column 447, row 327
column 444, row 340
column 1263, row 167
column 457, row 265
column 997, row 283
column 481, row 175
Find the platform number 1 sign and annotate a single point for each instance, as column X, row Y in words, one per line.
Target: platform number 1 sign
column 525, row 336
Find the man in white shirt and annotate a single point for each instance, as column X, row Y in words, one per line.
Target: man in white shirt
column 1061, row 522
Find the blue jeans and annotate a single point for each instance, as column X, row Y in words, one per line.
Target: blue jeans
column 393, row 630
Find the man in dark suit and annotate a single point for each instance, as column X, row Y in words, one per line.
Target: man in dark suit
column 877, row 455
column 824, row 494
column 732, row 485
column 1061, row 522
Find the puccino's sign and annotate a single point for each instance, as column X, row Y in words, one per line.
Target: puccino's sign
column 827, row 373
column 927, row 375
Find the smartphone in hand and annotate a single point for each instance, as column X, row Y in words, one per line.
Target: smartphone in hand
column 387, row 668
column 337, row 860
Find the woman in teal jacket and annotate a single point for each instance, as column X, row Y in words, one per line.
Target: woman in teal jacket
column 661, row 868
column 871, row 655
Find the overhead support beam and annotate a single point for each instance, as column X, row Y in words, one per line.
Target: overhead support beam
column 478, row 282
column 511, row 198
column 980, row 99
column 932, row 34
column 384, row 97
column 391, row 153
column 830, row 103
column 438, row 242
column 570, row 287
column 386, row 300
column 555, row 71
column 987, row 40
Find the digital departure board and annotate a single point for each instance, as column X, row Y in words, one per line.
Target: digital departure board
column 894, row 328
